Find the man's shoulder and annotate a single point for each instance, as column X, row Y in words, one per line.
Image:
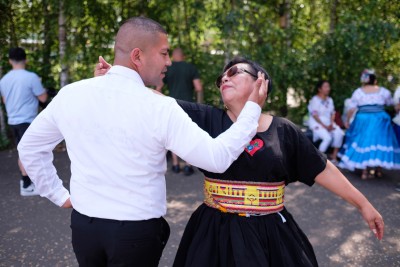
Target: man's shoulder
column 78, row 84
column 26, row 73
column 7, row 76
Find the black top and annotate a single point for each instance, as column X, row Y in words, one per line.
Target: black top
column 281, row 153
column 179, row 80
column 217, row 239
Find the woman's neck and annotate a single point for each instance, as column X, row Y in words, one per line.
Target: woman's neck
column 263, row 122
column 322, row 96
column 370, row 88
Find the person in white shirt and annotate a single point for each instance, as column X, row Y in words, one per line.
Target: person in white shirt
column 117, row 134
column 322, row 114
column 396, row 118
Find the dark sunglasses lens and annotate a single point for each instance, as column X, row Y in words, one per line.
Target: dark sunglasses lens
column 232, row 71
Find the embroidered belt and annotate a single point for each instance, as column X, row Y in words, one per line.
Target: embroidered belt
column 244, row 197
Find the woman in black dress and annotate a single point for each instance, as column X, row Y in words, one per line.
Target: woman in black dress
column 243, row 221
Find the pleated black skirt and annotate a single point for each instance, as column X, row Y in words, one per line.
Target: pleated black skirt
column 216, row 239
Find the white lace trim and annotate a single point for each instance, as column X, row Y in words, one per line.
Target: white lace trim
column 345, row 163
column 374, row 148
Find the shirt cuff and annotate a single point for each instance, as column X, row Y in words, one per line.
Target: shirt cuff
column 60, row 197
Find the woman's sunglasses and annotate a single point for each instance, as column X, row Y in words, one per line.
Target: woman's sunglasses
column 232, row 72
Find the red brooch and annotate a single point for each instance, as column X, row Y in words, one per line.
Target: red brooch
column 254, row 146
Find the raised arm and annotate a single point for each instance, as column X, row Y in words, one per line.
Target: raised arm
column 195, row 146
column 333, row 180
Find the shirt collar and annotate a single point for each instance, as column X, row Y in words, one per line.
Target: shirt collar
column 127, row 73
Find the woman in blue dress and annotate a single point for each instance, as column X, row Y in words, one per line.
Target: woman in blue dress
column 370, row 141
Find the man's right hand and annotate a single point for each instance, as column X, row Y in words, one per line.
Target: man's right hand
column 67, row 204
column 102, row 67
column 260, row 90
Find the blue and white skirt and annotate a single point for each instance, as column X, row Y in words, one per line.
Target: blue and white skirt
column 370, row 142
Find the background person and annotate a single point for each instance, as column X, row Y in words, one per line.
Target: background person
column 322, row 116
column 370, row 141
column 21, row 91
column 182, row 80
column 396, row 119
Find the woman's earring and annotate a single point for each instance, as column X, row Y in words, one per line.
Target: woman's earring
column 226, row 107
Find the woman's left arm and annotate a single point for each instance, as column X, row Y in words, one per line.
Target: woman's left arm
column 199, row 113
column 333, row 180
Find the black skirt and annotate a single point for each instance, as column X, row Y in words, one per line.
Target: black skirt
column 213, row 238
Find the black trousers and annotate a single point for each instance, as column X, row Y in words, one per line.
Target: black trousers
column 102, row 242
column 19, row 130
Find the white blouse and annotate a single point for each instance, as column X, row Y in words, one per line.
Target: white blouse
column 324, row 109
column 361, row 98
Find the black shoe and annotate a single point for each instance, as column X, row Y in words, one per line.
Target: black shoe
column 188, row 170
column 176, row 168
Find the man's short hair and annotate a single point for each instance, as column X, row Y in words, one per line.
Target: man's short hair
column 146, row 24
column 17, row 54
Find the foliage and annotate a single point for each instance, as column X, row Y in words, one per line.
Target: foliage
column 297, row 41
column 4, row 141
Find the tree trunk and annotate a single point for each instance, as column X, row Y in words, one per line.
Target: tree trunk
column 13, row 32
column 187, row 25
column 62, row 38
column 333, row 17
column 284, row 13
column 48, row 43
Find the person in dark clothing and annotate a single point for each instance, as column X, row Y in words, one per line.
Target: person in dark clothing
column 182, row 80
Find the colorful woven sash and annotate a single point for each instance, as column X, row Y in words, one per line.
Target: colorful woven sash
column 243, row 197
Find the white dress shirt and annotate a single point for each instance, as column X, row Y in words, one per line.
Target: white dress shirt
column 117, row 133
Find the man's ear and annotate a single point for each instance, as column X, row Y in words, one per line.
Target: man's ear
column 136, row 56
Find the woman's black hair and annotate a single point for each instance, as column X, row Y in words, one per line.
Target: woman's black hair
column 255, row 67
column 368, row 77
column 372, row 79
column 319, row 85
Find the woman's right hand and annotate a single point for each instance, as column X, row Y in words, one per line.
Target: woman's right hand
column 102, row 67
column 260, row 90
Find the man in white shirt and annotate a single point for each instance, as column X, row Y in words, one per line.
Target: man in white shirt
column 117, row 134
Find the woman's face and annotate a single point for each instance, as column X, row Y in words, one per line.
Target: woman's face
column 237, row 87
column 325, row 89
